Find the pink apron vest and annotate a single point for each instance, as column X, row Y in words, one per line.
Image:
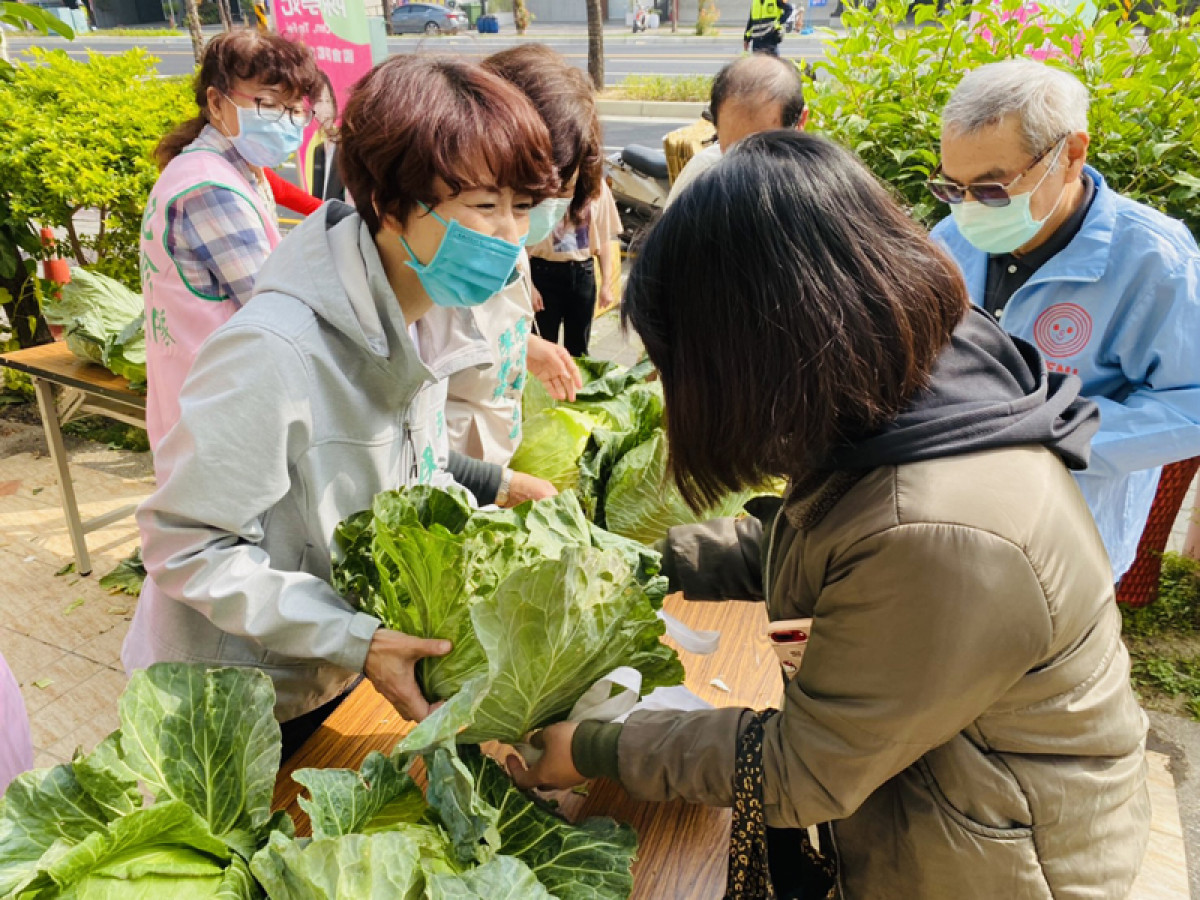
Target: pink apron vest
column 178, row 317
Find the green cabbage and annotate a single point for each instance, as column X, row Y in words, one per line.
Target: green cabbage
column 478, row 837
column 537, row 602
column 103, row 322
column 205, row 744
column 641, row 502
column 552, row 443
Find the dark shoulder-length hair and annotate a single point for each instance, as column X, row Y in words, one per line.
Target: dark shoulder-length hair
column 563, row 97
column 791, row 306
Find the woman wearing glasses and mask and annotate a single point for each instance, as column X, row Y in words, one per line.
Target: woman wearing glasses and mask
column 210, row 220
column 330, row 387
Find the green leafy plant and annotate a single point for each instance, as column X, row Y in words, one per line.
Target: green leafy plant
column 203, row 742
column 1177, row 607
column 882, row 86
column 142, row 32
column 1163, row 638
column 103, row 322
column 83, row 829
column 538, row 603
column 78, row 138
column 20, row 245
column 472, row 835
column 693, row 88
column 707, row 16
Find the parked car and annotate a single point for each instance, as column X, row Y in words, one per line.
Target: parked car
column 426, row 18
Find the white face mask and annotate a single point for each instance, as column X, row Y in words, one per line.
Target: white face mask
column 1003, row 229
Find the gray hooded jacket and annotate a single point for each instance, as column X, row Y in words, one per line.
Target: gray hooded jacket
column 308, row 402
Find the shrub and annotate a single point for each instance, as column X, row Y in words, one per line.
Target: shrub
column 666, row 87
column 77, row 141
column 707, row 15
column 882, row 86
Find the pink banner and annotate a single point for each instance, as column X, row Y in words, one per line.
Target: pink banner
column 337, row 32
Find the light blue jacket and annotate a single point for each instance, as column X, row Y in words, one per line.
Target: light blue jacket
column 1119, row 307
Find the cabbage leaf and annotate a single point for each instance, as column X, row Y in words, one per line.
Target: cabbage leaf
column 537, row 602
column 205, row 744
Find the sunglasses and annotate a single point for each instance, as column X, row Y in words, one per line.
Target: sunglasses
column 989, row 193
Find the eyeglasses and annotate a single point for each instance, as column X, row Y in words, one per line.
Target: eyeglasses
column 989, row 193
column 274, row 112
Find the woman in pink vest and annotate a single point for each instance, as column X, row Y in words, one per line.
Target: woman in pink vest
column 210, row 221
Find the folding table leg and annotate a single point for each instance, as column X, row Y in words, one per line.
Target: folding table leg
column 58, row 453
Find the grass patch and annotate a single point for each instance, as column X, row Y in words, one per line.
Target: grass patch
column 694, row 88
column 1164, row 641
column 138, row 32
column 116, row 435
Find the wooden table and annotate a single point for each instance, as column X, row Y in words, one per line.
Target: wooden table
column 89, row 389
column 681, row 847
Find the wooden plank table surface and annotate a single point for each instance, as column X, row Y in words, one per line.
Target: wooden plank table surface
column 55, row 362
column 681, row 847
column 91, row 390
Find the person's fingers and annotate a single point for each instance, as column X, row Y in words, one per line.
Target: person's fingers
column 538, row 739
column 418, row 648
column 520, row 774
column 409, row 702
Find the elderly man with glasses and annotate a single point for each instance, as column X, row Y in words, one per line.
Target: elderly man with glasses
column 1108, row 289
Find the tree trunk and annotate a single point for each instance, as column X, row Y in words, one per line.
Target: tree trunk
column 170, row 7
column 595, row 14
column 193, row 20
column 226, row 16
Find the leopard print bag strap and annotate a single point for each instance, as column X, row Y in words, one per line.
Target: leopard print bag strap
column 749, row 875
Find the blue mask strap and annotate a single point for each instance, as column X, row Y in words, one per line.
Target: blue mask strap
column 408, row 249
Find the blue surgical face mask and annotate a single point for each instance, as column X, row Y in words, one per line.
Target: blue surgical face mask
column 468, row 268
column 262, row 143
column 544, row 218
column 1003, row 229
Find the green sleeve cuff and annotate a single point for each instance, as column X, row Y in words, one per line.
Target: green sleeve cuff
column 594, row 749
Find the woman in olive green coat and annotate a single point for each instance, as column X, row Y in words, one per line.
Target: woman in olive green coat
column 963, row 714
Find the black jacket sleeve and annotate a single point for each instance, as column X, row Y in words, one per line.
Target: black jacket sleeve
column 480, row 478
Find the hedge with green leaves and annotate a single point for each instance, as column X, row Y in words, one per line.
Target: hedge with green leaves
column 77, row 142
column 882, row 87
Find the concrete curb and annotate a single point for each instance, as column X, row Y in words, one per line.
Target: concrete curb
column 1180, row 740
column 650, row 109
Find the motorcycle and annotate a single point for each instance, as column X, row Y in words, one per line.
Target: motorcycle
column 641, row 20
column 640, row 184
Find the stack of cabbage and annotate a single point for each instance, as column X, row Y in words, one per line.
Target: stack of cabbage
column 610, row 446
column 103, row 322
column 204, row 743
column 538, row 603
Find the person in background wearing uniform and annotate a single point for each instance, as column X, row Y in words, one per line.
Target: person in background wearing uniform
column 1107, row 288
column 210, row 219
column 751, row 94
column 764, row 28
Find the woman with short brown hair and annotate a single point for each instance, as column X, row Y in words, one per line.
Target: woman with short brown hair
column 962, row 713
column 329, row 388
